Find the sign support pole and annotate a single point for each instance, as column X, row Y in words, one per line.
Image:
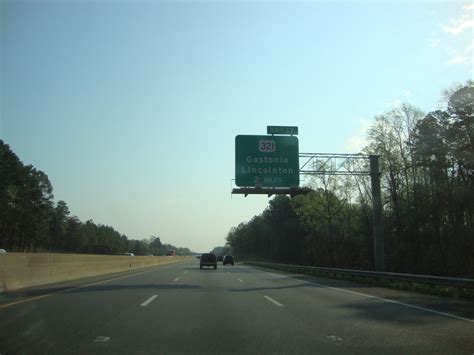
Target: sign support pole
column 379, row 251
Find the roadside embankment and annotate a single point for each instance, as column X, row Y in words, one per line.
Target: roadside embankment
column 21, row 270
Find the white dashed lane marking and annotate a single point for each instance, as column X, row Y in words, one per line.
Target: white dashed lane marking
column 273, row 301
column 148, row 301
column 101, row 339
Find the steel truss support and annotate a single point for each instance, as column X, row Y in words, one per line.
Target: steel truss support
column 339, row 164
column 353, row 165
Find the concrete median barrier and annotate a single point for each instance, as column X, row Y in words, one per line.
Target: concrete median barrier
column 22, row 270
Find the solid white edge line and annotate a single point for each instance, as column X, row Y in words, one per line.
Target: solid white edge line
column 378, row 298
column 148, row 301
column 273, row 301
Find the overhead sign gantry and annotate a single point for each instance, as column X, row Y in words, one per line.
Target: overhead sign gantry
column 269, row 165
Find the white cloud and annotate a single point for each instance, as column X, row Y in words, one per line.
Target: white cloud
column 394, row 103
column 355, row 144
column 464, row 23
column 406, row 93
column 402, row 96
column 358, row 140
column 469, row 7
column 459, row 59
column 433, row 42
column 459, row 26
column 459, row 49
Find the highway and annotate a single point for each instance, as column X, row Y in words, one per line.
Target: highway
column 180, row 309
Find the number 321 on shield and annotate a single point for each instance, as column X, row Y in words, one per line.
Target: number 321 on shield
column 266, row 145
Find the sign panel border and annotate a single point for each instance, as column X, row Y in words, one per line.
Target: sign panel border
column 267, row 161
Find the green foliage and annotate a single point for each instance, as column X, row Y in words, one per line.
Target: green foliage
column 266, row 235
column 222, row 250
column 427, row 164
column 29, row 220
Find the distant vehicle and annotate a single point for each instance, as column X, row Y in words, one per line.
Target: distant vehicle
column 129, row 254
column 198, row 256
column 171, row 253
column 220, row 258
column 3, row 251
column 208, row 260
column 228, row 259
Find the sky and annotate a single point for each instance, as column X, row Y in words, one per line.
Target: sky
column 131, row 107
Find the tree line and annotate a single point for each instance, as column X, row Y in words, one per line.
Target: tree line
column 222, row 250
column 30, row 221
column 427, row 164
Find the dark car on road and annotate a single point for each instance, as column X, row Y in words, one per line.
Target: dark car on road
column 228, row 259
column 208, row 260
column 220, row 258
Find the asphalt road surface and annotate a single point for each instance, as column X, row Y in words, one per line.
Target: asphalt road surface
column 180, row 309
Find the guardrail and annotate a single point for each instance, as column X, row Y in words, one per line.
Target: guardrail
column 461, row 286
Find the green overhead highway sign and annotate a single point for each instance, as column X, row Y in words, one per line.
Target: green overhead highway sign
column 290, row 130
column 266, row 161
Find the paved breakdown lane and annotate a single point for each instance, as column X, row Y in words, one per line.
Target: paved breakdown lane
column 180, row 309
